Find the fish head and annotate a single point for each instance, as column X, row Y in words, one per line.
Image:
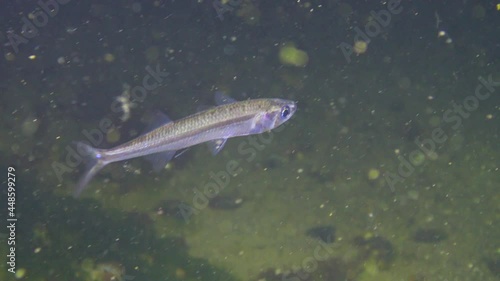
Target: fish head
column 276, row 112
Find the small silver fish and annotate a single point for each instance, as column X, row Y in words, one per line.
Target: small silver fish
column 215, row 125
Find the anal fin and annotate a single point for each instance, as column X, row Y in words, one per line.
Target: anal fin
column 160, row 159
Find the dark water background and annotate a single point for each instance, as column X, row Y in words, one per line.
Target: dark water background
column 392, row 159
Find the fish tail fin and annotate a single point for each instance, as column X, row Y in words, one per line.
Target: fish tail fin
column 94, row 162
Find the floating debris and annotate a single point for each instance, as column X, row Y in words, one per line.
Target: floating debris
column 441, row 31
column 373, row 174
column 20, row 273
column 108, row 57
column 30, row 126
column 113, row 135
column 360, row 47
column 125, row 103
column 290, row 55
column 10, row 56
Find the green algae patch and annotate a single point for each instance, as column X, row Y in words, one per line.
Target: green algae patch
column 290, row 55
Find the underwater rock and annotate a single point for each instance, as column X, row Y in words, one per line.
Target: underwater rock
column 494, row 266
column 141, row 220
column 280, row 275
column 108, row 271
column 334, row 269
column 331, row 269
column 411, row 131
column 225, row 202
column 276, row 160
column 171, row 208
column 325, row 233
column 429, row 235
column 322, row 174
column 377, row 248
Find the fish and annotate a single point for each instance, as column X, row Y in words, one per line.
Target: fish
column 164, row 138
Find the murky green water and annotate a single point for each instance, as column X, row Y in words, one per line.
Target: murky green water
column 389, row 170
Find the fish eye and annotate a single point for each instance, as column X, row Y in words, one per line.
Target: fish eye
column 285, row 111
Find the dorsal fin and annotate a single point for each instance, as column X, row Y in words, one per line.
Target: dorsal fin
column 203, row 107
column 221, row 98
column 156, row 120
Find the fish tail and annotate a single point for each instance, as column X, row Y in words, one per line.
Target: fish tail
column 94, row 162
